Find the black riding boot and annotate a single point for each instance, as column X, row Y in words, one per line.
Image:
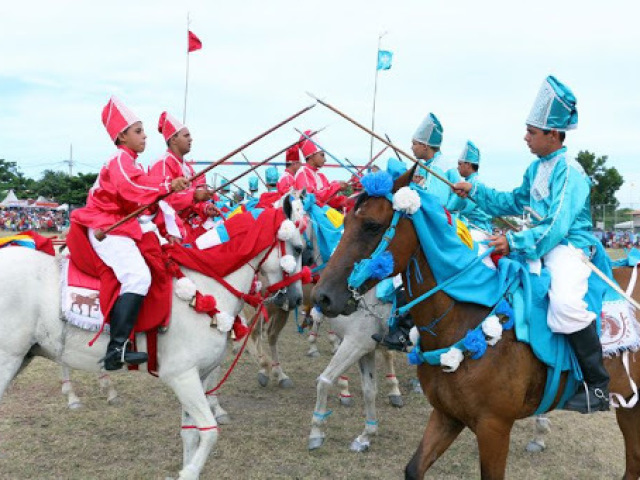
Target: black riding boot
column 398, row 337
column 123, row 317
column 594, row 395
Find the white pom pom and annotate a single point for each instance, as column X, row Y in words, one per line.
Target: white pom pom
column 185, row 289
column 225, row 321
column 406, row 200
column 451, row 360
column 414, row 336
column 316, row 315
column 492, row 328
column 288, row 264
column 258, row 286
column 286, row 231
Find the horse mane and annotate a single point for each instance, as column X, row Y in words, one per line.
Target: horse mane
column 405, row 179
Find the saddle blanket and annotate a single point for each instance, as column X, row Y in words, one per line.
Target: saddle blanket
column 80, row 298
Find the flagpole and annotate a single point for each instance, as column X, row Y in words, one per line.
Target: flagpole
column 375, row 92
column 186, row 82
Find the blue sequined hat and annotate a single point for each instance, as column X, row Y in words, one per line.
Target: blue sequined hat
column 554, row 108
column 272, row 175
column 429, row 132
column 223, row 181
column 470, row 154
column 253, row 184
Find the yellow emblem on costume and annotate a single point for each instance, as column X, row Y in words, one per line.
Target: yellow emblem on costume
column 236, row 211
column 15, row 238
column 463, row 233
column 335, row 217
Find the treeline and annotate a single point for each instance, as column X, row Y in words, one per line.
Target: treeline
column 57, row 186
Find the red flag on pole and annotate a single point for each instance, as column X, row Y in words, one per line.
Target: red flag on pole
column 194, row 42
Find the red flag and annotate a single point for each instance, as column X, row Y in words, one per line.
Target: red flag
column 194, row 42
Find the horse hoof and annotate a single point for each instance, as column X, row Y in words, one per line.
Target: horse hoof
column 359, row 446
column 75, row 406
column 263, row 379
column 315, row 443
column 285, row 383
column 346, row 401
column 115, row 401
column 535, row 447
column 223, row 419
column 313, row 353
column 396, row 401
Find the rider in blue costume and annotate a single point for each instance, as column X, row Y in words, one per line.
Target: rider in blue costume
column 271, row 179
column 468, row 166
column 558, row 190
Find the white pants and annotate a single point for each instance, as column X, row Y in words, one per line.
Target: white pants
column 569, row 283
column 124, row 257
column 478, row 237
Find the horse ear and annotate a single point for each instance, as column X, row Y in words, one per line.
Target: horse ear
column 405, row 179
column 287, row 207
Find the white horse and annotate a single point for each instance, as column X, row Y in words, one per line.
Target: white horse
column 355, row 330
column 31, row 325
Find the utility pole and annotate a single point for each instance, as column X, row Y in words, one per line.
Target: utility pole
column 70, row 161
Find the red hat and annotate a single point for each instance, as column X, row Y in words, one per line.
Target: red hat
column 116, row 118
column 292, row 155
column 307, row 146
column 168, row 125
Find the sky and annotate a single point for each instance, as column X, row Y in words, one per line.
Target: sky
column 477, row 65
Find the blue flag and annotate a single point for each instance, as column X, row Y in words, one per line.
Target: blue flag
column 384, row 59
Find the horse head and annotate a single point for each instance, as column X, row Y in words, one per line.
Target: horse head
column 284, row 261
column 293, row 205
column 364, row 228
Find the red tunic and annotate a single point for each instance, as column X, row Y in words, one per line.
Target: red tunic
column 121, row 187
column 317, row 183
column 286, row 182
column 171, row 166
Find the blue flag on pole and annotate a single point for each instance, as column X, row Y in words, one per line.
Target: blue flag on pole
column 384, row 59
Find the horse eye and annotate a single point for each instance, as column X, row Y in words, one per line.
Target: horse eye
column 297, row 250
column 372, row 228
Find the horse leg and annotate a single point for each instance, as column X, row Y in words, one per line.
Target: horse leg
column 493, row 444
column 106, row 385
column 347, row 355
column 439, row 434
column 73, row 402
column 11, row 365
column 198, row 417
column 394, row 395
column 257, row 351
column 275, row 328
column 313, row 340
column 222, row 417
column 541, row 427
column 629, row 423
column 369, row 391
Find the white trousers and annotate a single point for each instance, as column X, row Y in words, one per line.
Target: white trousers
column 124, row 257
column 569, row 283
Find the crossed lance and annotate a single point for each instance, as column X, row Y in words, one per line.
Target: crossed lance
column 396, row 149
column 101, row 234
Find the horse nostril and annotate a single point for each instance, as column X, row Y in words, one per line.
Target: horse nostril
column 324, row 301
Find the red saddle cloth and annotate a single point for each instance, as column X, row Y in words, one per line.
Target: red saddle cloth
column 156, row 308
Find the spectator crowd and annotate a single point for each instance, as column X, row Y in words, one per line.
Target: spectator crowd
column 21, row 219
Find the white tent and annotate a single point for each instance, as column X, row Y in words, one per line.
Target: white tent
column 628, row 225
column 12, row 201
column 63, row 208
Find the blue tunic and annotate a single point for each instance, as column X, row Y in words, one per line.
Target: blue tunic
column 469, row 210
column 558, row 190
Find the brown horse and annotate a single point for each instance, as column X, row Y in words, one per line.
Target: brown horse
column 487, row 395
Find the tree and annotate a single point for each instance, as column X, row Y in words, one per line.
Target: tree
column 62, row 188
column 12, row 178
column 605, row 181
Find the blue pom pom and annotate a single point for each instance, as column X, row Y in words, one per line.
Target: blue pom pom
column 414, row 357
column 378, row 184
column 504, row 308
column 475, row 343
column 381, row 266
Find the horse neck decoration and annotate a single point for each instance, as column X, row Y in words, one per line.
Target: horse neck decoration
column 486, row 395
column 188, row 352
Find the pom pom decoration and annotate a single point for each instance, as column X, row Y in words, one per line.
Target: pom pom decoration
column 406, row 200
column 378, row 184
column 414, row 336
column 504, row 308
column 224, row 321
column 286, row 231
column 492, row 328
column 288, row 264
column 414, row 357
column 381, row 266
column 316, row 314
column 305, row 275
column 475, row 343
column 240, row 330
column 205, row 304
column 451, row 360
column 185, row 289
